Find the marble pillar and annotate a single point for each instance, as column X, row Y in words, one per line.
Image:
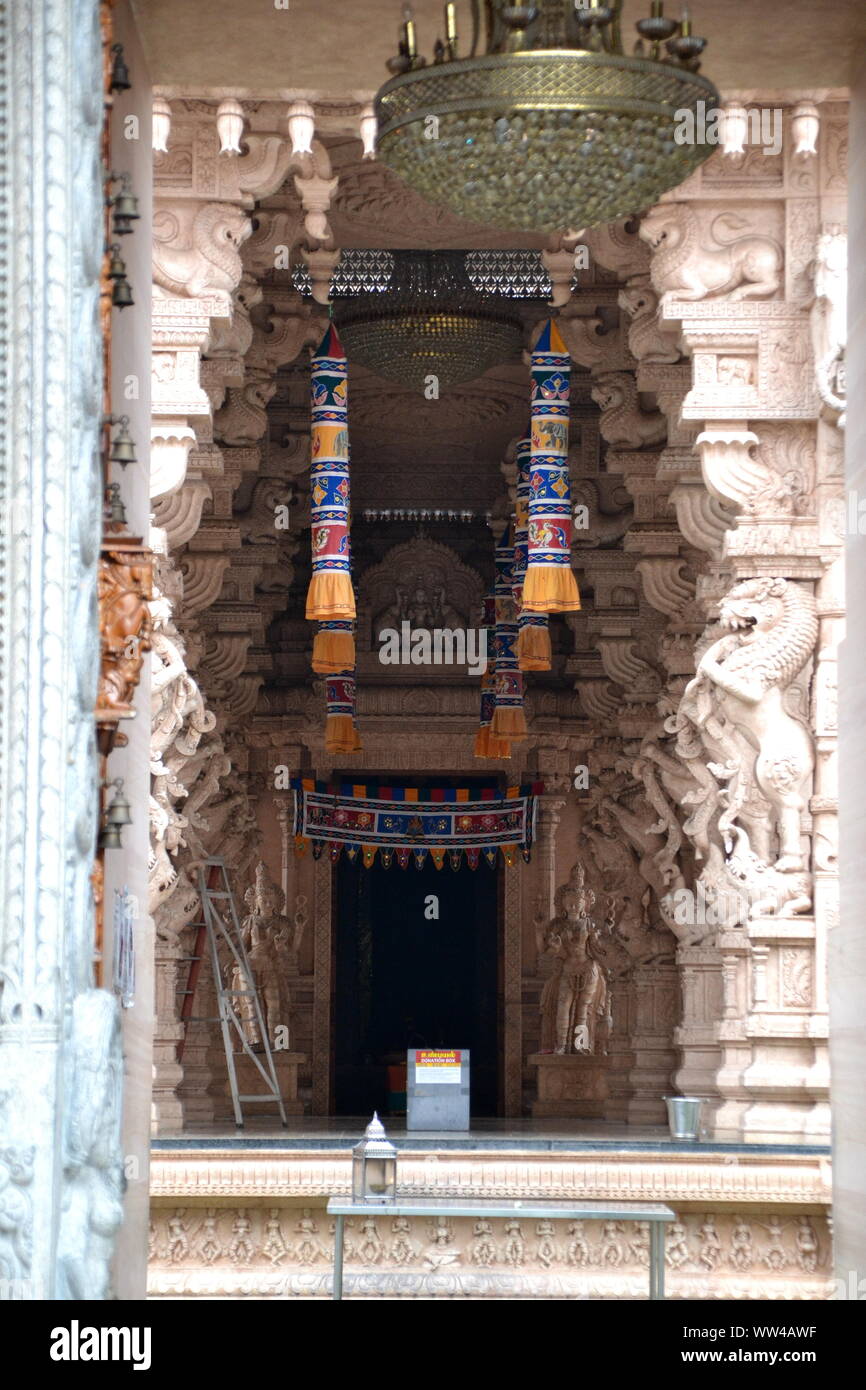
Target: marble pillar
column 847, row 937
column 60, row 1053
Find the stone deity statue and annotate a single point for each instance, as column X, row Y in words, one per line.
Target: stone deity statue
column 265, row 934
column 575, row 1000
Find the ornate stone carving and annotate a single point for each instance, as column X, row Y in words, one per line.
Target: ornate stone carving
column 684, row 267
column 649, row 339
column 623, row 422
column 769, row 632
column 617, row 247
column 210, row 264
column 266, row 937
column 828, row 320
column 124, row 588
column 243, row 420
column 94, row 1175
column 16, row 1204
column 575, row 1005
column 422, row 582
column 769, row 1251
column 52, row 400
column 657, row 818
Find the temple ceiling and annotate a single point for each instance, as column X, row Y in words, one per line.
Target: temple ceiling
column 340, row 50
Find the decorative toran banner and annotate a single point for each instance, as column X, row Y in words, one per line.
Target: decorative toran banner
column 409, row 823
column 533, row 635
column 550, row 585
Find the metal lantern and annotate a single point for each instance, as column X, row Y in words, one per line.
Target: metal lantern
column 374, row 1165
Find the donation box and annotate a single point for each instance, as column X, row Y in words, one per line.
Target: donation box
column 437, row 1088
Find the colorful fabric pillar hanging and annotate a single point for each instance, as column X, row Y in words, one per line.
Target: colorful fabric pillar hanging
column 509, row 720
column 550, row 585
column 533, row 641
column 341, row 736
column 488, row 704
column 486, row 746
column 330, row 594
column 334, row 646
column 533, row 636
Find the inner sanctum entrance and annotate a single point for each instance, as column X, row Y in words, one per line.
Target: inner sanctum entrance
column 416, row 965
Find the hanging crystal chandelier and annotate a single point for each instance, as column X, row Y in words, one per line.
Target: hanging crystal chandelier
column 552, row 126
column 428, row 319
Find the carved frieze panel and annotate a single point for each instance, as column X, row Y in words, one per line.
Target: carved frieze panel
column 278, row 1253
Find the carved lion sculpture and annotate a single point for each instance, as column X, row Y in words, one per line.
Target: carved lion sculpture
column 212, row 265
column 740, row 685
column 771, row 892
column 685, row 267
column 649, row 339
column 623, row 423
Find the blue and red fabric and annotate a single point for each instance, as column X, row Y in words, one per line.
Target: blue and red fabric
column 486, row 746
column 509, row 720
column 341, row 736
column 330, row 594
column 550, row 585
column 533, row 637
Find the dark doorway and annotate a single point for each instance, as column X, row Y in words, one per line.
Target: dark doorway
column 406, row 979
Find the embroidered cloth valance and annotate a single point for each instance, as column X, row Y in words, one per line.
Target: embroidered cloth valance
column 408, row 823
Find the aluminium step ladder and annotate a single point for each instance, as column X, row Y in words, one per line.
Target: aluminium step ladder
column 221, row 927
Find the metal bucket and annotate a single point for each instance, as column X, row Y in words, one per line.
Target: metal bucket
column 684, row 1116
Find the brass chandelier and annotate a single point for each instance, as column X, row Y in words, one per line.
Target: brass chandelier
column 428, row 320
column 551, row 127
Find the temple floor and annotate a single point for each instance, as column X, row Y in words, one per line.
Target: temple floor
column 519, row 1133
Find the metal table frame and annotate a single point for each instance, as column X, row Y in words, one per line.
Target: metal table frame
column 654, row 1213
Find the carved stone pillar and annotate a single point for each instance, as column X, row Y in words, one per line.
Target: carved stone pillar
column 548, row 814
column 764, row 836
column 167, row 1110
column 60, row 1055
column 847, row 933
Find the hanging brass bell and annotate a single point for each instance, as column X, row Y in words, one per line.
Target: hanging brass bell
column 121, row 295
column 117, row 813
column 117, row 265
column 110, row 838
column 119, row 71
column 126, row 203
column 123, row 445
column 115, row 510
column 121, row 226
